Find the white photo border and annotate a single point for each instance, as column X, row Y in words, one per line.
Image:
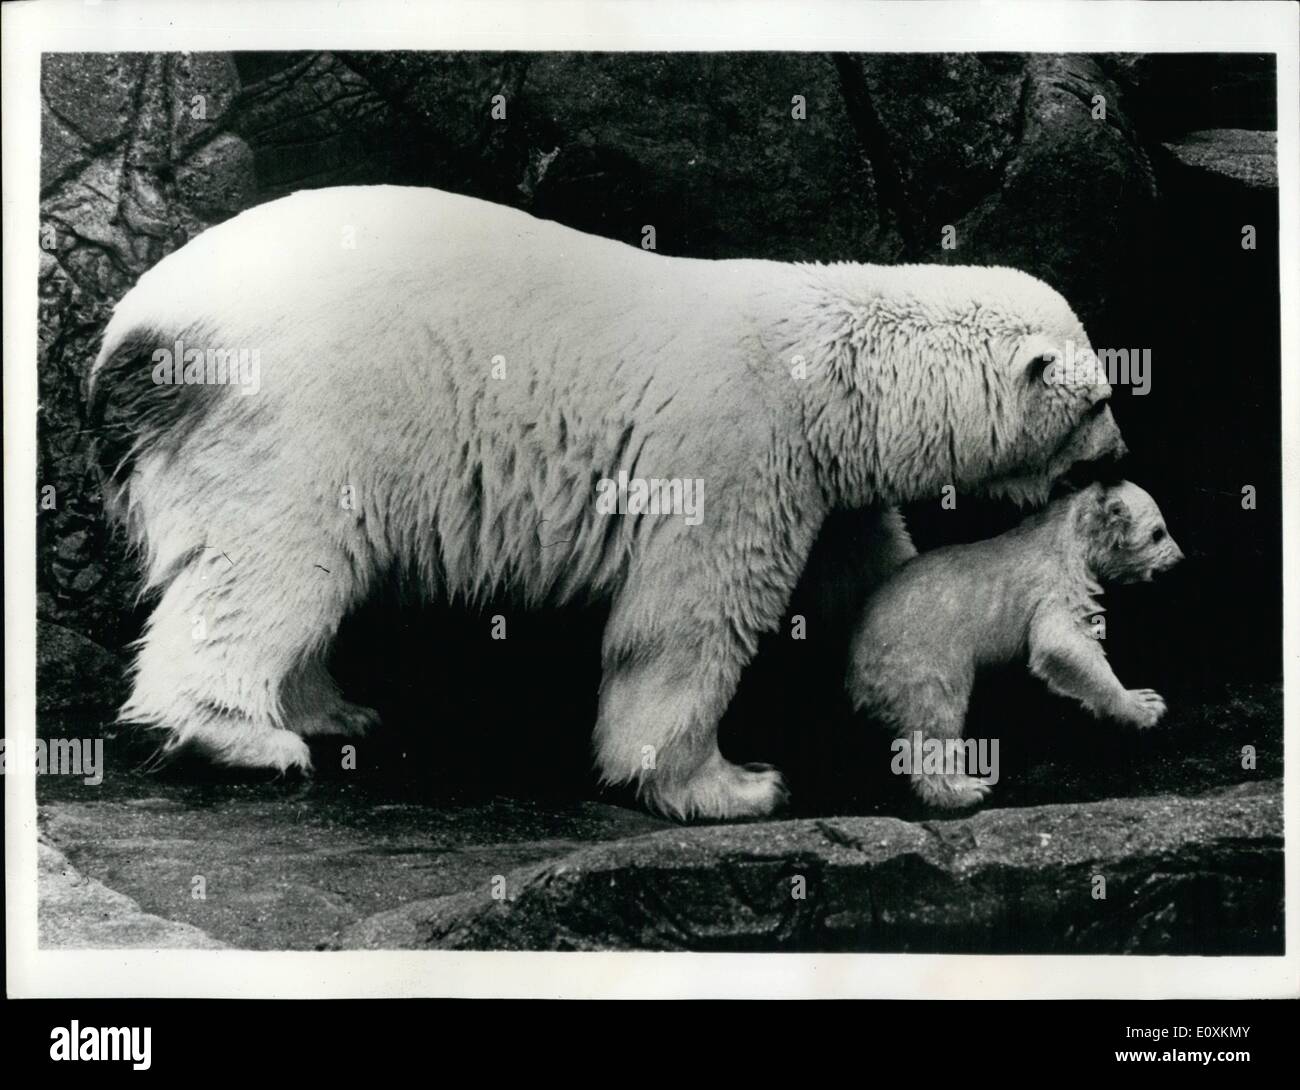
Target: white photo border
column 34, row 28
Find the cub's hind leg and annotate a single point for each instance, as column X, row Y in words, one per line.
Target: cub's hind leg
column 950, row 786
column 924, row 706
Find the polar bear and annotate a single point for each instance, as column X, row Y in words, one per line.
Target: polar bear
column 926, row 631
column 414, row 382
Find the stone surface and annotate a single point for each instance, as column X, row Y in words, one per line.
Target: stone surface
column 1241, row 155
column 313, row 121
column 1181, row 876
column 78, row 913
column 1070, row 177
column 75, row 672
column 293, row 867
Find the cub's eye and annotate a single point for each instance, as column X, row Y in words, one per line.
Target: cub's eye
column 1158, row 534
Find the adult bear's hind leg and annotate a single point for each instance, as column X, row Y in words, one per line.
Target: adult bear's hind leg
column 235, row 626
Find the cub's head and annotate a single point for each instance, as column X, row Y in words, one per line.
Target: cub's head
column 1124, row 533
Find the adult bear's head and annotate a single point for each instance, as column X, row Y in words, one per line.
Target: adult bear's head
column 923, row 376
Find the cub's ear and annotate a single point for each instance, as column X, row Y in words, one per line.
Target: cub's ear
column 1103, row 517
column 1114, row 519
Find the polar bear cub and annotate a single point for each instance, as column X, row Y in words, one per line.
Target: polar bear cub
column 1024, row 594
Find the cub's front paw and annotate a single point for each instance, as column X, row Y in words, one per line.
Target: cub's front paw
column 1143, row 708
column 949, row 792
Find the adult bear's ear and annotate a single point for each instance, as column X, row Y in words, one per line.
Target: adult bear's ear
column 1042, row 366
column 1036, row 356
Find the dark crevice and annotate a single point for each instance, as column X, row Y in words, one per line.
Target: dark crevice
column 891, row 193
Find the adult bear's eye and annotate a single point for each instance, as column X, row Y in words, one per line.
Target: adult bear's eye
column 1158, row 534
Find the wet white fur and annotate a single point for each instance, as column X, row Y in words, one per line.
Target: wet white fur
column 377, row 375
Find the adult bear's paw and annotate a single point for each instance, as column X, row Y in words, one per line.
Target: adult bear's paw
column 719, row 790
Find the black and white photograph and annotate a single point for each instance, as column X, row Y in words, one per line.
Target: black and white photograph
column 817, row 492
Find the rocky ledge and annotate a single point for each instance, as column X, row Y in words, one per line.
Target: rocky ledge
column 1164, row 875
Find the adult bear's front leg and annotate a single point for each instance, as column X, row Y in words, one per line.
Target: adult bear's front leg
column 682, row 629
